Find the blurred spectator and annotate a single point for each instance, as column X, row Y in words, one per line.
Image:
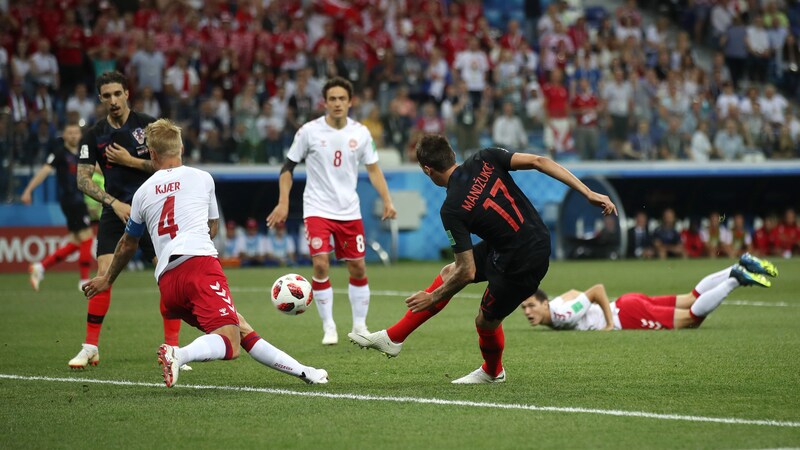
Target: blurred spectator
column 150, row 105
column 784, row 147
column 70, row 42
column 716, row 237
column 763, row 238
column 726, row 100
column 586, row 107
column 672, row 145
column 507, row 130
column 280, row 247
column 21, row 65
column 39, row 142
column 182, row 84
column 80, row 102
column 301, row 103
column 618, row 95
column 270, row 130
column 693, row 244
column 741, row 241
column 148, row 65
column 735, row 50
column 557, row 131
column 641, row 145
column 640, row 241
column 43, row 103
column 790, row 65
column 758, row 49
column 20, row 109
column 375, row 126
column 786, row 235
column 534, row 106
column 721, row 19
column 232, row 232
column 666, row 238
column 252, row 245
column 396, row 129
column 44, row 66
column 700, row 147
column 352, row 66
column 215, row 150
column 473, row 65
column 728, row 143
column 773, row 106
column 103, row 59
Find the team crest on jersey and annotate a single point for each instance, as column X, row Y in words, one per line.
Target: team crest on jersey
column 316, row 243
column 84, row 151
column 138, row 134
column 353, row 143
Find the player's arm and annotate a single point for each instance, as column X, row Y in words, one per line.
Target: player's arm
column 126, row 248
column 527, row 161
column 87, row 185
column 117, row 154
column 281, row 210
column 213, row 227
column 379, row 183
column 37, row 179
column 597, row 295
column 463, row 273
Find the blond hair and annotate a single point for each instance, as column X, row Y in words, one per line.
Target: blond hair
column 164, row 138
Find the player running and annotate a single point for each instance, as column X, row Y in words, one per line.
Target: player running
column 117, row 144
column 178, row 207
column 64, row 160
column 591, row 309
column 332, row 147
column 483, row 199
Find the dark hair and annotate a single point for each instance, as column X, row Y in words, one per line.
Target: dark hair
column 337, row 82
column 111, row 77
column 434, row 151
column 540, row 295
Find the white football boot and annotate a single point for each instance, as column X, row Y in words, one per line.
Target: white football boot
column 316, row 376
column 37, row 275
column 331, row 337
column 379, row 341
column 360, row 329
column 89, row 355
column 170, row 365
column 478, row 376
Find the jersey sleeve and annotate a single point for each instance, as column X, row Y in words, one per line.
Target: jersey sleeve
column 457, row 231
column 51, row 160
column 213, row 208
column 135, row 226
column 299, row 149
column 568, row 313
column 87, row 152
column 368, row 151
column 499, row 156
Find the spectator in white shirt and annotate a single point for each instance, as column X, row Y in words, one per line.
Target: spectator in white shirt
column 700, row 145
column 758, row 49
column 80, row 102
column 773, row 106
column 473, row 66
column 44, row 66
column 726, row 100
column 507, row 131
column 182, row 83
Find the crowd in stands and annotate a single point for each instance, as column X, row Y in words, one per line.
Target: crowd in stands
column 713, row 236
column 250, row 246
column 241, row 76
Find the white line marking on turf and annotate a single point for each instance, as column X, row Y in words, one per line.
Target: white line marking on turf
column 431, row 401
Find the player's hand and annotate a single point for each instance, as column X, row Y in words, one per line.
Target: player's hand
column 278, row 215
column 388, row 211
column 117, row 154
column 95, row 286
column 25, row 198
column 420, row 301
column 122, row 210
column 603, row 202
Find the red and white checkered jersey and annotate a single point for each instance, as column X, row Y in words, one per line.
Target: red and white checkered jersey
column 332, row 157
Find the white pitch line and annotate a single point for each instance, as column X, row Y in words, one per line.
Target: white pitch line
column 428, row 401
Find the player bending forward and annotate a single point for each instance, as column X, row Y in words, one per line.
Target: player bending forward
column 178, row 207
column 591, row 310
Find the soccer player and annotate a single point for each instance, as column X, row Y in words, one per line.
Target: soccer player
column 64, row 160
column 117, row 144
column 483, row 199
column 332, row 147
column 591, row 309
column 178, row 207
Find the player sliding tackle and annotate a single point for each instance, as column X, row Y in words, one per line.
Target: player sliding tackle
column 178, row 207
column 591, row 310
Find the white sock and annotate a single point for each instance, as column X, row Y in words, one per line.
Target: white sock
column 324, row 300
column 710, row 300
column 359, row 303
column 712, row 281
column 274, row 358
column 208, row 347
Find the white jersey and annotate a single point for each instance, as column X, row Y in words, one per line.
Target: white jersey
column 176, row 205
column 580, row 314
column 332, row 157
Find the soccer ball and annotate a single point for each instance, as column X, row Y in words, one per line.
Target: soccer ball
column 291, row 294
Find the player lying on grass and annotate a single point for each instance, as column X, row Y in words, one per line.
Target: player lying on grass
column 591, row 309
column 178, row 207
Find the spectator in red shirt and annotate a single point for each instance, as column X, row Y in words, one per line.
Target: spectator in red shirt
column 762, row 237
column 741, row 239
column 692, row 242
column 514, row 38
column 557, row 131
column 586, row 108
column 70, row 44
column 785, row 235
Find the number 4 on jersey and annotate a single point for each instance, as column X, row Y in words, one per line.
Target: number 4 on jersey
column 166, row 224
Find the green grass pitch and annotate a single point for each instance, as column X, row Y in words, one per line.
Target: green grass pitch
column 743, row 364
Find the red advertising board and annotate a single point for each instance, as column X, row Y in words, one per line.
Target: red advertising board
column 20, row 246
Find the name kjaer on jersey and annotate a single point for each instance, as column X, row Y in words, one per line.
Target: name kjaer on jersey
column 168, row 187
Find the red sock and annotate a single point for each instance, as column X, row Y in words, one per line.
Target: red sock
column 411, row 321
column 59, row 255
column 172, row 329
column 492, row 343
column 228, row 348
column 85, row 258
column 98, row 307
column 250, row 340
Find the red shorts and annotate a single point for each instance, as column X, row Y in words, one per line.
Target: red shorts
column 197, row 292
column 638, row 311
column 348, row 237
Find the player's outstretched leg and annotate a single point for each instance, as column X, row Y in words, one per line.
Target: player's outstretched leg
column 37, row 270
column 88, row 356
column 379, row 341
column 274, row 358
column 757, row 265
column 710, row 300
column 208, row 347
column 747, row 278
